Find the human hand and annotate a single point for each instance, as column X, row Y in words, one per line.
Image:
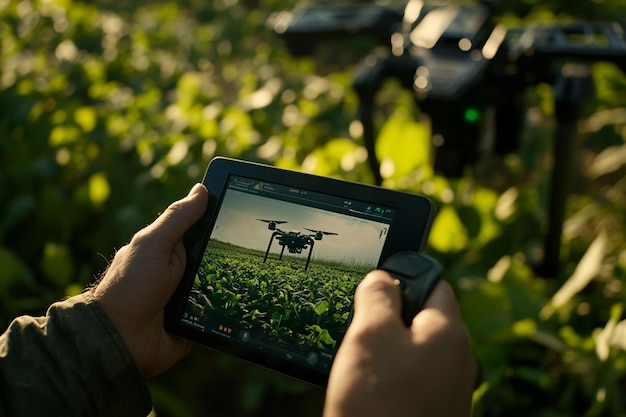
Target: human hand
column 385, row 369
column 141, row 279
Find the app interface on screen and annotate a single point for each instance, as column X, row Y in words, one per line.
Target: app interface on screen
column 281, row 267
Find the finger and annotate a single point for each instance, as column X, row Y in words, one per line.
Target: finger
column 442, row 298
column 377, row 299
column 441, row 318
column 172, row 224
column 441, row 311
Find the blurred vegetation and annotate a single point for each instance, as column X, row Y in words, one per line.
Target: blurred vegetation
column 111, row 110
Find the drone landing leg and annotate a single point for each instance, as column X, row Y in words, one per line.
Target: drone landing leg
column 269, row 245
column 570, row 94
column 308, row 259
column 281, row 253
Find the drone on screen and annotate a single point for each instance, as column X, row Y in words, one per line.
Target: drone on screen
column 294, row 241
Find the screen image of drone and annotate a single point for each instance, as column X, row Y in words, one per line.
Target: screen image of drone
column 294, row 241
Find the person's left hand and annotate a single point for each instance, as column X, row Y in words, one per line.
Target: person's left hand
column 141, row 279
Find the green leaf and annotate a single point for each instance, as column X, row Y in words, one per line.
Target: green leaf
column 99, row 189
column 325, row 338
column 85, row 117
column 64, row 135
column 448, row 234
column 403, row 145
column 609, row 160
column 16, row 210
column 57, row 264
column 13, row 270
column 587, row 269
column 321, row 307
column 487, row 311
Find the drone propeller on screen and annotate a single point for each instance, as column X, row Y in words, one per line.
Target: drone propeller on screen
column 272, row 223
column 320, row 233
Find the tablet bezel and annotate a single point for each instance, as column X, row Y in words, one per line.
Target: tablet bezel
column 408, row 231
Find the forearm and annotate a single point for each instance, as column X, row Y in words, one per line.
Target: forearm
column 72, row 362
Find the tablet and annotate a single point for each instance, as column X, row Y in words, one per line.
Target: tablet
column 273, row 264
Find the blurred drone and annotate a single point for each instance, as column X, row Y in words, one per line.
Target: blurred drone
column 469, row 74
column 294, row 241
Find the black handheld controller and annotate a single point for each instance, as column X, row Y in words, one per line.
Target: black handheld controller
column 418, row 274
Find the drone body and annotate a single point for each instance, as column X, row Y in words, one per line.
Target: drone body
column 294, row 241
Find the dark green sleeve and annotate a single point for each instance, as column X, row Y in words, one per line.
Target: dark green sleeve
column 72, row 362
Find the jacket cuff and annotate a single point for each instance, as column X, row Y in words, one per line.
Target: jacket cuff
column 72, row 362
column 126, row 388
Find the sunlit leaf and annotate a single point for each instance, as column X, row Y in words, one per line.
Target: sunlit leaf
column 330, row 159
column 612, row 335
column 188, row 88
column 448, row 234
column 405, row 142
column 85, row 117
column 524, row 327
column 99, row 188
column 321, row 308
column 588, row 268
column 64, row 135
column 326, row 339
column 609, row 160
column 505, row 207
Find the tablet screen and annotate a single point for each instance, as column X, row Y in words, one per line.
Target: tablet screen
column 280, row 269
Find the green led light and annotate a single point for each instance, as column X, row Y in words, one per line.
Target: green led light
column 471, row 114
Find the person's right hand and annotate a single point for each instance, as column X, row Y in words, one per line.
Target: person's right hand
column 384, row 369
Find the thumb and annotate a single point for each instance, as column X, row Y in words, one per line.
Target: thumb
column 377, row 300
column 172, row 224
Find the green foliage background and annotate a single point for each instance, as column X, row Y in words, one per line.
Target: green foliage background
column 111, row 110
